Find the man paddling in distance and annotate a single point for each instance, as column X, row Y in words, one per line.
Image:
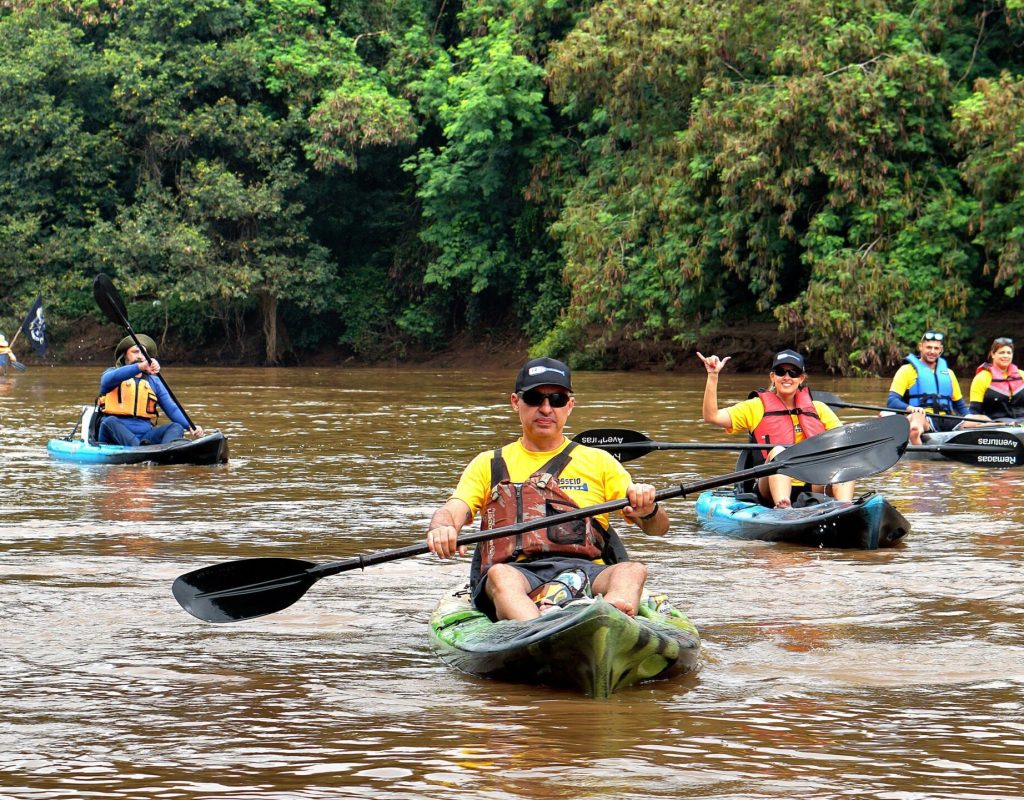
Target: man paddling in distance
column 131, row 392
column 544, row 473
column 785, row 414
column 927, row 388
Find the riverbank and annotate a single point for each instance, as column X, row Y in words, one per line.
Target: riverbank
column 751, row 346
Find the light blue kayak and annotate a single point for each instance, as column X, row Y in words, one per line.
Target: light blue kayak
column 868, row 522
column 84, row 449
column 209, row 449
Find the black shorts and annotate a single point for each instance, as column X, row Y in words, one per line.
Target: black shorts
column 940, row 423
column 537, row 572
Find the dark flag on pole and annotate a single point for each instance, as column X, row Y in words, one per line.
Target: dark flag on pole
column 34, row 327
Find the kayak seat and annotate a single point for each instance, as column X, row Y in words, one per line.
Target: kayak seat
column 94, row 427
column 807, row 499
column 89, row 425
column 745, row 460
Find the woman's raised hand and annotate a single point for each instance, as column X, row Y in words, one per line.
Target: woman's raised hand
column 713, row 364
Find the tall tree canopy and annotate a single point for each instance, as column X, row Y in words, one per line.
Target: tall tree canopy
column 600, row 177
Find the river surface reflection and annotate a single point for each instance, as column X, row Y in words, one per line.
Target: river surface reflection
column 891, row 674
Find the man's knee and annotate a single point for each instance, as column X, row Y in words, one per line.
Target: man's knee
column 630, row 571
column 504, row 578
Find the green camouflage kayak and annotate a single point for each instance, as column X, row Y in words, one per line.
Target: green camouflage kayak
column 589, row 645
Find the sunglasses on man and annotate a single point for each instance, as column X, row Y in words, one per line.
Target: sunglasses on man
column 534, row 397
column 792, row 372
column 932, row 336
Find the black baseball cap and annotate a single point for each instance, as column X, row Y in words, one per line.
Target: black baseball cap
column 790, row 358
column 543, row 372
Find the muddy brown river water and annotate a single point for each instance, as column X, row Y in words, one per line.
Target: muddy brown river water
column 895, row 674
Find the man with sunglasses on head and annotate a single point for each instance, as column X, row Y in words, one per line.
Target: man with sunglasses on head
column 927, row 388
column 540, row 474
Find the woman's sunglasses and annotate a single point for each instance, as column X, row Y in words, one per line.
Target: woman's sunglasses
column 532, row 397
column 932, row 336
column 790, row 371
column 1002, row 341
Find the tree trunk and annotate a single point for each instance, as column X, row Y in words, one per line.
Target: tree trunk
column 268, row 311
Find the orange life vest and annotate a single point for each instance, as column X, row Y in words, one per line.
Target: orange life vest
column 538, row 496
column 777, row 427
column 131, row 398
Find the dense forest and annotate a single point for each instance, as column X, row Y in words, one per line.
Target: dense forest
column 595, row 178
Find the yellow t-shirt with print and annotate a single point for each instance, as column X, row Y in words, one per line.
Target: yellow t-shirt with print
column 591, row 477
column 746, row 416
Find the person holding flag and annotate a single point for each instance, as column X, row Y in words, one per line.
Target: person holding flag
column 7, row 356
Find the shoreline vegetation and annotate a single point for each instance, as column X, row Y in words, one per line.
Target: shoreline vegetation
column 751, row 346
column 613, row 184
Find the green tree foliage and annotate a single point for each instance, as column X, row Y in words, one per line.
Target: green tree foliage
column 794, row 158
column 486, row 96
column 601, row 177
column 989, row 126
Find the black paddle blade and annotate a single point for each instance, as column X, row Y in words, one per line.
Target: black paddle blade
column 608, row 438
column 109, row 300
column 847, row 453
column 985, row 448
column 244, row 589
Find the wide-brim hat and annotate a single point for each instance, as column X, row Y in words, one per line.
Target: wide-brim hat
column 789, row 358
column 543, row 372
column 128, row 341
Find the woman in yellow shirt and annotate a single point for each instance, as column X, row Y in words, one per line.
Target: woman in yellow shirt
column 785, row 414
column 997, row 390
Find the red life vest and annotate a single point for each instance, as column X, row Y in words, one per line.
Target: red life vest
column 1003, row 397
column 538, row 496
column 777, row 427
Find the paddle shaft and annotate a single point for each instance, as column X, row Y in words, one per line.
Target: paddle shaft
column 645, row 447
column 358, row 562
column 115, row 305
column 830, row 399
column 249, row 588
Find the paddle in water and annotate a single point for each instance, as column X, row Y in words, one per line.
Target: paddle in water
column 111, row 304
column 253, row 587
column 980, row 447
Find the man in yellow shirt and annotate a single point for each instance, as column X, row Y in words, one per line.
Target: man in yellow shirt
column 927, row 388
column 540, row 474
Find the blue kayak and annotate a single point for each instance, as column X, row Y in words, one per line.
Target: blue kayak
column 209, row 449
column 867, row 522
column 84, row 449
